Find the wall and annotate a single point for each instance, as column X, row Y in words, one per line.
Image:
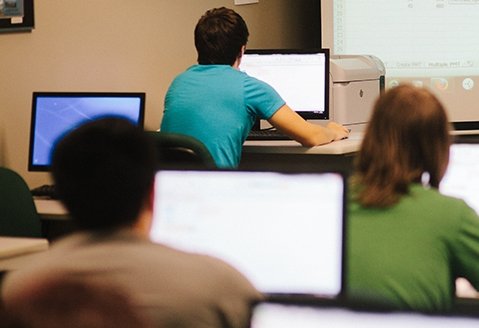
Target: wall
column 119, row 45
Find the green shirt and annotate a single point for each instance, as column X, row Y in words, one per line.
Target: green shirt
column 408, row 255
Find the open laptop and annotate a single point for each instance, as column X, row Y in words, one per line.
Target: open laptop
column 301, row 77
column 283, row 231
column 283, row 315
column 462, row 172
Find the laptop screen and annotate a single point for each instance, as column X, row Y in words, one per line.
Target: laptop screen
column 56, row 113
column 277, row 315
column 459, row 180
column 301, row 77
column 282, row 231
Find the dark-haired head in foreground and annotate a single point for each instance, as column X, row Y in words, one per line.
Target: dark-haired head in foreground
column 104, row 172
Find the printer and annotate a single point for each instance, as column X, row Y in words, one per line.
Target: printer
column 355, row 83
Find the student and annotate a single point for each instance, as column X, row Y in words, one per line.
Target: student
column 104, row 173
column 217, row 104
column 407, row 242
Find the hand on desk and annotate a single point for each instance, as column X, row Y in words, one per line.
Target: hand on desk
column 340, row 131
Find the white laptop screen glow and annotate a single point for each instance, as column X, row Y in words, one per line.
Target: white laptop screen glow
column 271, row 315
column 459, row 180
column 300, row 78
column 282, row 231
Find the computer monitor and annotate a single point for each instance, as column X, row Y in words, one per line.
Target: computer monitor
column 462, row 172
column 56, row 113
column 301, row 77
column 282, row 315
column 283, row 231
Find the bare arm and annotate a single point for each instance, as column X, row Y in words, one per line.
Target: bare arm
column 309, row 135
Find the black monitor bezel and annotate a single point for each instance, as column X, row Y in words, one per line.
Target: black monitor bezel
column 305, row 115
column 65, row 94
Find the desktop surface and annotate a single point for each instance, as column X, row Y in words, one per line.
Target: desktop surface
column 14, row 246
column 17, row 251
column 50, row 207
column 346, row 146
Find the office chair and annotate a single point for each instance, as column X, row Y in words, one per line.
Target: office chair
column 178, row 151
column 18, row 215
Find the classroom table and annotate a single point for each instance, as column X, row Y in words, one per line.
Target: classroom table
column 18, row 251
column 289, row 154
column 55, row 218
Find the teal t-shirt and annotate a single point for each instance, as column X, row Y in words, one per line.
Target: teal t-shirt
column 408, row 256
column 218, row 105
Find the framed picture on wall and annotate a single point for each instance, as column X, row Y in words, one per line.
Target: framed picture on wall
column 16, row 15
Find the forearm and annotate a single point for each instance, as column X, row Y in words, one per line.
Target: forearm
column 308, row 134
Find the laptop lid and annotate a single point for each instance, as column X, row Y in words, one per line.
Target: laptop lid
column 463, row 169
column 301, row 77
column 283, row 231
column 284, row 315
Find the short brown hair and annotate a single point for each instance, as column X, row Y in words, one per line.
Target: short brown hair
column 219, row 36
column 407, row 136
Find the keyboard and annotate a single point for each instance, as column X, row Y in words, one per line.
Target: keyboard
column 45, row 191
column 267, row 134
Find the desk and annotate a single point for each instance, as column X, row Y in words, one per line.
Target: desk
column 15, row 251
column 55, row 218
column 284, row 154
column 51, row 208
column 340, row 147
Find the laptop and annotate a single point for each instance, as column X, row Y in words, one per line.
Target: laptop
column 463, row 169
column 284, row 315
column 283, row 231
column 301, row 77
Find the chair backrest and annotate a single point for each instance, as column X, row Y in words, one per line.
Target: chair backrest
column 18, row 214
column 181, row 151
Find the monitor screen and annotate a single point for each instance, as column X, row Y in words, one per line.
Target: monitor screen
column 463, row 169
column 278, row 315
column 56, row 113
column 431, row 44
column 301, row 77
column 283, row 231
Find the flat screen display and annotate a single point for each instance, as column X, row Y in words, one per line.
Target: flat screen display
column 276, row 315
column 56, row 113
column 301, row 77
column 463, row 169
column 283, row 231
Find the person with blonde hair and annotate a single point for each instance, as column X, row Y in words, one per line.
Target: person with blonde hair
column 407, row 242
